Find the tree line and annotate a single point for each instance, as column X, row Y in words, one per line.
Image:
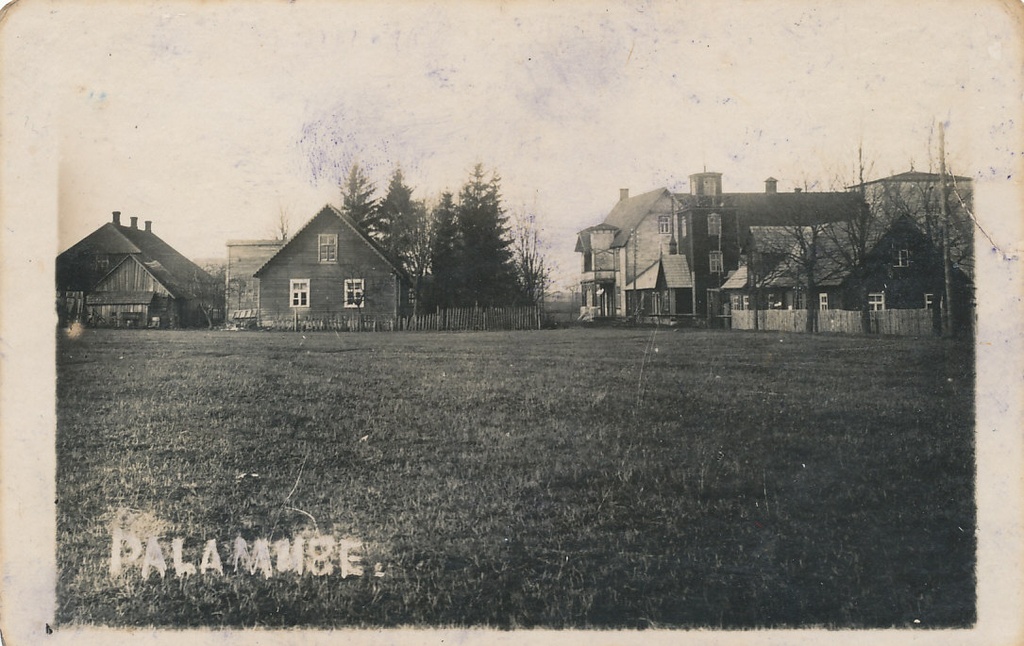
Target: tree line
column 462, row 250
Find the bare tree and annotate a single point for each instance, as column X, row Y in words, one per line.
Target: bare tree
column 208, row 290
column 280, row 227
column 532, row 271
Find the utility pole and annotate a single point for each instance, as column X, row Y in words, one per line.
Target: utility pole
column 947, row 270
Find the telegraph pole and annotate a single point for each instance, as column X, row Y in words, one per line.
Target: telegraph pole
column 947, row 270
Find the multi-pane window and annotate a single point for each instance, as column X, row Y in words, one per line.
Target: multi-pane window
column 328, row 244
column 714, row 225
column 299, row 292
column 354, row 292
column 664, row 224
column 823, row 301
column 876, row 301
column 715, row 262
column 902, row 258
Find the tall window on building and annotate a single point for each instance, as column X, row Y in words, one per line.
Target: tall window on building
column 328, row 247
column 665, row 224
column 682, row 227
column 714, row 225
column 354, row 292
column 902, row 258
column 299, row 289
column 876, row 301
column 715, row 262
column 929, row 301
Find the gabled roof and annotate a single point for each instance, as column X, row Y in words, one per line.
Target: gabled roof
column 673, row 272
column 736, row 279
column 677, row 271
column 628, row 213
column 172, row 269
column 365, row 237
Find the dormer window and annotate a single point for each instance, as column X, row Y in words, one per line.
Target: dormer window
column 328, row 245
column 714, row 225
column 902, row 258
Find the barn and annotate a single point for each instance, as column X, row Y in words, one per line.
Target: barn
column 328, row 271
column 124, row 276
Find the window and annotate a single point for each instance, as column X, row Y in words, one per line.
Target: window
column 929, row 300
column 300, row 292
column 823, row 301
column 876, row 301
column 588, row 261
column 328, row 244
column 664, row 224
column 714, row 225
column 715, row 261
column 354, row 292
column 902, row 258
column 682, row 227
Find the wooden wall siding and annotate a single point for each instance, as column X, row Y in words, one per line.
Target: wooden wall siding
column 918, row 322
column 130, row 276
column 300, row 259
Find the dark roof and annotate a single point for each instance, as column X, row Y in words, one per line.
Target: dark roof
column 802, row 208
column 328, row 209
column 173, row 270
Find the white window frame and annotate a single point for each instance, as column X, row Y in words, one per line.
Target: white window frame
column 682, row 227
column 664, row 224
column 823, row 301
column 929, row 300
column 327, row 247
column 902, row 258
column 716, row 262
column 876, row 301
column 298, row 292
column 355, row 287
column 714, row 225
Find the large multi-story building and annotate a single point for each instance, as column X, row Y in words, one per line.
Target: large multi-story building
column 667, row 254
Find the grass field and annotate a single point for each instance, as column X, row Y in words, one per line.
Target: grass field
column 625, row 478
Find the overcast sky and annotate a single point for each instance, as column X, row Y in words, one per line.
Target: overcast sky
column 210, row 118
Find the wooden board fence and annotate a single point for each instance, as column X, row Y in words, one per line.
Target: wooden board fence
column 446, row 320
column 896, row 322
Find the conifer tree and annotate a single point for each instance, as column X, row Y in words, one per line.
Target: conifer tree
column 486, row 260
column 358, row 201
column 445, row 254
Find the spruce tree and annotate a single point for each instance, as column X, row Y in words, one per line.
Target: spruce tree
column 358, row 201
column 395, row 215
column 445, row 254
column 486, row 260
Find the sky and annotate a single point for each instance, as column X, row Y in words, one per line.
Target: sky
column 211, row 119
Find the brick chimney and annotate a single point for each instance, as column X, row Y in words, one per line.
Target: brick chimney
column 149, row 225
column 135, row 222
column 771, row 186
column 117, row 218
column 623, row 194
column 798, row 190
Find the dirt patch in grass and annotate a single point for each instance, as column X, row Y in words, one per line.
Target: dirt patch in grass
column 566, row 478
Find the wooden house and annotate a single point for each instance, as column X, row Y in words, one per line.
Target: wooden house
column 330, row 269
column 903, row 270
column 665, row 254
column 124, row 276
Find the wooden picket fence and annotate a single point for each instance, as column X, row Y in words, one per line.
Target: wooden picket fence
column 896, row 322
column 445, row 320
